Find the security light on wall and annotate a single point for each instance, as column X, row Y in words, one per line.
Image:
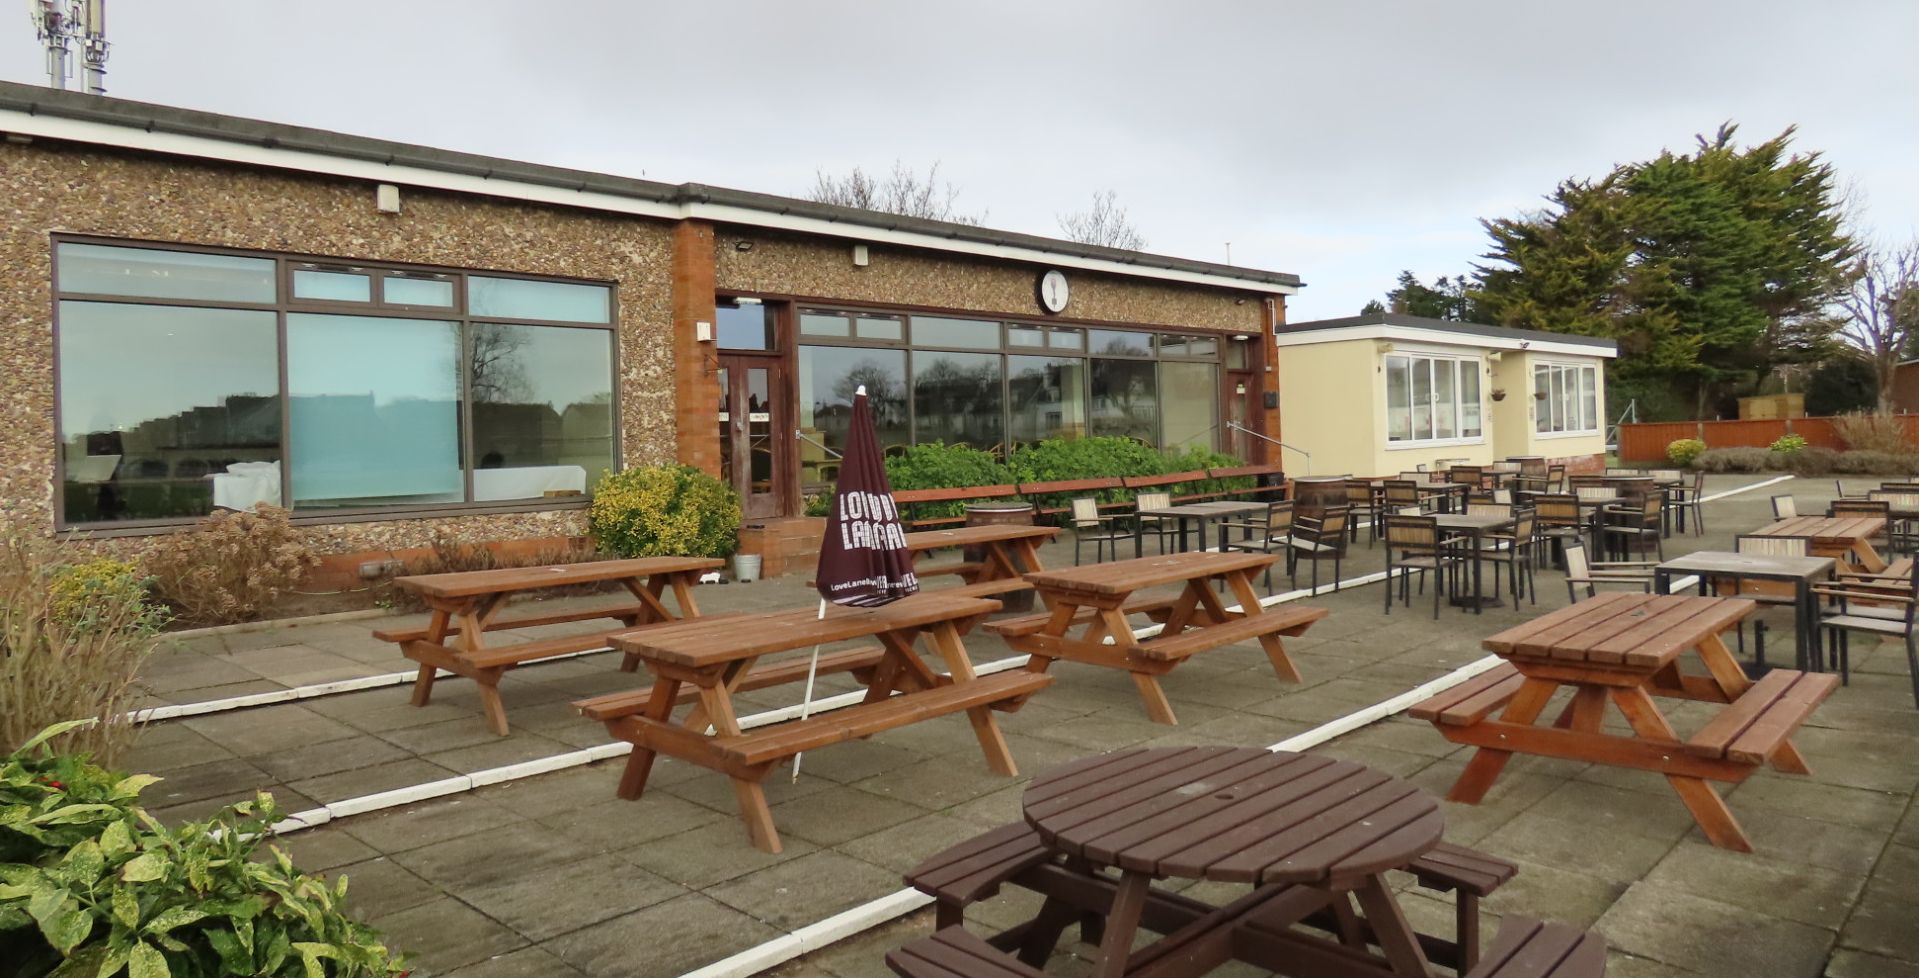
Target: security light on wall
column 703, row 331
column 861, row 258
column 1383, row 346
column 386, row 198
column 1494, row 357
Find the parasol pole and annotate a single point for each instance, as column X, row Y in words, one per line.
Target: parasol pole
column 806, row 701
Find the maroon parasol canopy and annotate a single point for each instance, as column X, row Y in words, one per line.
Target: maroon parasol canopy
column 864, row 560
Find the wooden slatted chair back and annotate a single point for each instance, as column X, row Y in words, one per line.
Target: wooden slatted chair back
column 1577, row 567
column 1501, row 510
column 1900, row 486
column 1415, row 477
column 1557, row 509
column 1594, row 492
column 1773, row 546
column 1584, row 480
column 1468, row 475
column 1414, row 535
column 1860, row 507
column 1401, row 493
column 1532, row 467
column 1085, row 513
column 1784, row 508
column 1279, row 518
column 1556, row 478
column 1153, row 500
column 1359, row 493
column 1666, row 475
column 1904, row 502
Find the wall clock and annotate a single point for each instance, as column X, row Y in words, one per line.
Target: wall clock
column 1053, row 292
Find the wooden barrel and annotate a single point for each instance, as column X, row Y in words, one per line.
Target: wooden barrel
column 1319, row 492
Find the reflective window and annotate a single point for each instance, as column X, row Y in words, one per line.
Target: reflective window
column 1045, row 398
column 167, row 411
column 1125, row 400
column 956, row 399
column 825, row 324
column 1066, row 339
column 744, row 326
column 1432, row 397
column 970, row 333
column 542, row 409
column 519, row 298
column 1189, row 405
column 1470, row 425
column 879, row 328
column 1238, row 354
column 373, row 410
column 332, row 286
column 1569, row 397
column 152, row 273
column 829, row 375
column 1399, row 399
column 1025, row 336
column 1205, row 347
column 1121, row 343
column 414, row 290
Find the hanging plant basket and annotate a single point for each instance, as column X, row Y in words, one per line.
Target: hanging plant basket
column 1499, row 395
column 1539, row 395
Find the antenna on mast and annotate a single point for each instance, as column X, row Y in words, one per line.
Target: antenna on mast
column 56, row 23
column 93, row 43
column 50, row 24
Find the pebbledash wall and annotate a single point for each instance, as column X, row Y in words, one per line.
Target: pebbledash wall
column 75, row 165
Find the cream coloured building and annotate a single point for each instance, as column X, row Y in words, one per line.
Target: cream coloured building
column 1383, row 393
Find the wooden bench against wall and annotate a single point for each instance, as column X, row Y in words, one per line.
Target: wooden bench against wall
column 908, row 499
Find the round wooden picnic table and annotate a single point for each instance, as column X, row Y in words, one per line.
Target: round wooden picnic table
column 1237, row 815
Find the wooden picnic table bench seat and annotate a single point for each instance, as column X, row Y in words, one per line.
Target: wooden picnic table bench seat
column 1291, row 621
column 961, row 568
column 1473, row 700
column 953, row 952
column 621, row 609
column 1757, row 724
column 1003, row 690
column 859, row 661
column 1528, row 948
column 1155, row 608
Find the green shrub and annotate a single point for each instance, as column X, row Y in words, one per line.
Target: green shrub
column 1733, row 460
column 819, row 504
column 230, row 567
column 937, row 465
column 664, row 511
column 92, row 885
column 1789, row 444
column 1683, row 451
column 73, row 633
column 1067, row 459
column 1809, row 460
column 1205, row 458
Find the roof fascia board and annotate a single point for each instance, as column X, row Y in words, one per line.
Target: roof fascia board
column 496, row 185
column 1414, row 335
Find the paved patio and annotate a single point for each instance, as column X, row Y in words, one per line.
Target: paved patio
column 552, row 875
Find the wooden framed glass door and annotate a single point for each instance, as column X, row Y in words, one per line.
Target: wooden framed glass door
column 1239, row 394
column 753, row 454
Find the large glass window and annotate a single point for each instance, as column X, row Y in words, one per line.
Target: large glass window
column 157, row 401
column 744, row 326
column 1189, row 405
column 1432, row 398
column 1566, row 398
column 969, row 333
column 1045, row 398
column 829, row 376
column 1125, row 400
column 373, row 411
column 956, row 399
column 1121, row 343
column 170, row 411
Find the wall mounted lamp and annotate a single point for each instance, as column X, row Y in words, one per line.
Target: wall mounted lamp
column 703, row 332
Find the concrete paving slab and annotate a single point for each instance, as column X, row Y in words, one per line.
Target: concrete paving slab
column 799, row 891
column 712, row 854
column 661, row 941
column 1711, row 937
column 400, row 829
column 446, row 935
column 493, row 856
column 528, row 962
column 555, row 900
column 379, row 886
column 1791, row 891
column 616, row 823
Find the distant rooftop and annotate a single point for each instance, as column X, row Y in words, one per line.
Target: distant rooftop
column 1507, row 336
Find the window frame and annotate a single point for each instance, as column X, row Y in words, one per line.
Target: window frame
column 286, row 302
column 1430, row 357
column 1565, row 388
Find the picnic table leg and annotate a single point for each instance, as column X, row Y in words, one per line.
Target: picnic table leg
column 639, row 764
column 757, row 816
column 1122, row 923
column 683, row 594
column 992, row 742
column 1242, row 586
column 1487, row 762
column 1391, row 931
column 1708, row 809
column 473, row 621
column 436, row 632
column 488, row 680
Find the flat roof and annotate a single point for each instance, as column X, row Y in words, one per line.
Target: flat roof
column 38, row 111
column 1497, row 335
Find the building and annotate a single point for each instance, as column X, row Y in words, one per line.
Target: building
column 397, row 341
column 1384, row 393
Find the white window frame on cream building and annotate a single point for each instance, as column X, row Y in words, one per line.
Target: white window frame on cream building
column 1461, row 365
column 1580, row 399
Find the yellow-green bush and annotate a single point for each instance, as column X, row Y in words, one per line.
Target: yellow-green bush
column 664, row 511
column 99, row 591
column 1684, row 450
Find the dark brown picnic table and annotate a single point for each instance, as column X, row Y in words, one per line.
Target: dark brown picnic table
column 1099, row 597
column 467, row 605
column 715, row 657
column 1625, row 649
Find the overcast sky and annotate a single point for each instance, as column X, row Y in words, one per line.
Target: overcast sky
column 1339, row 140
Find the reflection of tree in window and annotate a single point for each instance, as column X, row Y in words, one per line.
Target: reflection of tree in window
column 497, row 375
column 956, row 398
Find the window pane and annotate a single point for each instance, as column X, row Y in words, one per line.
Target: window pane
column 1569, row 399
column 956, row 399
column 1046, row 398
column 519, row 298
column 1238, row 354
column 1066, row 339
column 974, row 333
column 1025, row 336
column 1542, row 402
column 880, row 328
column 1119, row 343
column 374, row 411
column 825, row 324
column 404, row 290
column 828, row 377
column 167, row 410
column 1190, row 394
column 1125, row 400
column 1444, row 405
column 1469, row 404
column 746, row 326
column 1588, row 400
column 1188, row 346
column 542, row 409
column 1399, row 394
column 332, row 286
column 106, row 270
column 1558, row 399
column 1422, row 398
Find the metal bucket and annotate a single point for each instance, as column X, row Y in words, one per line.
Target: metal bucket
column 746, row 568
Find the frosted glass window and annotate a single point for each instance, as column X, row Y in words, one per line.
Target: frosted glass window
column 152, row 273
column 332, row 286
column 1189, row 405
column 1470, row 425
column 1444, row 405
column 373, row 408
column 1399, row 399
column 518, row 298
column 972, row 333
column 880, row 328
column 408, row 291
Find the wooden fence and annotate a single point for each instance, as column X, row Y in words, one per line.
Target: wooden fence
column 1647, row 442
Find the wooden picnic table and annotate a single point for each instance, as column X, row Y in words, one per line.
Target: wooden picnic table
column 467, row 605
column 1625, row 648
column 1099, row 597
column 1797, row 573
column 718, row 657
column 1195, row 514
column 1008, row 551
column 1847, row 539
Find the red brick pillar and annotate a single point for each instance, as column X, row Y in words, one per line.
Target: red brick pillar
column 1267, row 381
column 696, row 382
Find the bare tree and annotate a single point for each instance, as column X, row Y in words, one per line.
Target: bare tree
column 903, row 191
column 1105, row 223
column 1880, row 313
